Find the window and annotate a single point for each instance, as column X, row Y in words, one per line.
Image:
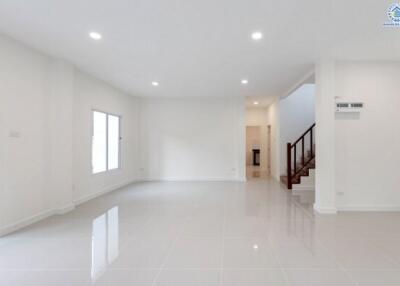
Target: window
column 105, row 142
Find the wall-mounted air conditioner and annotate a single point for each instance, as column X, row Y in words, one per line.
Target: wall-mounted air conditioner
column 349, row 106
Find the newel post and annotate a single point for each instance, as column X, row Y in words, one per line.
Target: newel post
column 289, row 166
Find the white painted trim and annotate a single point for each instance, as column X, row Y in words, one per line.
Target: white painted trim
column 65, row 209
column 325, row 210
column 355, row 208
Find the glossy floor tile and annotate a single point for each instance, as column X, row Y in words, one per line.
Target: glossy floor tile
column 44, row 278
column 205, row 233
column 195, row 253
column 376, row 277
column 145, row 277
column 184, row 277
column 317, row 277
column 254, row 277
column 248, row 253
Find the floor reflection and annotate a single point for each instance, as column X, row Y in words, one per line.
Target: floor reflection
column 105, row 242
column 255, row 172
column 301, row 223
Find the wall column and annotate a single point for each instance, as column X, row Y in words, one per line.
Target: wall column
column 325, row 191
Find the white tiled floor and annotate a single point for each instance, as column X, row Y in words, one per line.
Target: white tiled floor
column 204, row 234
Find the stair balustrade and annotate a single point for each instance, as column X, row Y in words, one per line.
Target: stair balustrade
column 294, row 168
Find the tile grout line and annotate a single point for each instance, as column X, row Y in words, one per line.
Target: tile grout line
column 223, row 243
column 284, row 274
column 349, row 276
column 341, row 267
column 275, row 254
column 162, row 267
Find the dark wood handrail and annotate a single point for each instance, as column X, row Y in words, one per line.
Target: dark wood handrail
column 304, row 134
column 293, row 161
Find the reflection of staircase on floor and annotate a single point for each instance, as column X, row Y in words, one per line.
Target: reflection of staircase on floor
column 255, row 172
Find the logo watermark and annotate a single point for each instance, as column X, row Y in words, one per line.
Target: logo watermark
column 393, row 14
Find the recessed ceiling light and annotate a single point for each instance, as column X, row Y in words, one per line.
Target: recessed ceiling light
column 95, row 35
column 154, row 83
column 255, row 103
column 255, row 246
column 244, row 81
column 257, row 36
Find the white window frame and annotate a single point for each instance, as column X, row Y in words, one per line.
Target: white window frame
column 119, row 141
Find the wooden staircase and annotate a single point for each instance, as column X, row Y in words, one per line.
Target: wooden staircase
column 301, row 163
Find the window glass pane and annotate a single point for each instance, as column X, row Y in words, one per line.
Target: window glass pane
column 99, row 143
column 113, row 142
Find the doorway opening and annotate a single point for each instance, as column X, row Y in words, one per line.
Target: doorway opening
column 260, row 124
column 258, row 151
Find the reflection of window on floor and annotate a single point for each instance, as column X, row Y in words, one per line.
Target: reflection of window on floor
column 105, row 242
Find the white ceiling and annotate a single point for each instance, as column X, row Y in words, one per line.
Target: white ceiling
column 263, row 101
column 202, row 47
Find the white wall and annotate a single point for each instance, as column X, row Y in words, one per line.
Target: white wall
column 325, row 196
column 274, row 121
column 24, row 90
column 58, row 120
column 297, row 114
column 193, row 139
column 357, row 154
column 256, row 116
column 45, row 133
column 367, row 145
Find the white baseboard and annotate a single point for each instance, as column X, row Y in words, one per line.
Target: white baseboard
column 109, row 189
column 58, row 211
column 325, row 210
column 65, row 209
column 366, row 208
column 26, row 222
column 180, row 179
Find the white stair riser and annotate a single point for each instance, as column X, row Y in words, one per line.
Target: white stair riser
column 307, row 183
column 299, row 187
